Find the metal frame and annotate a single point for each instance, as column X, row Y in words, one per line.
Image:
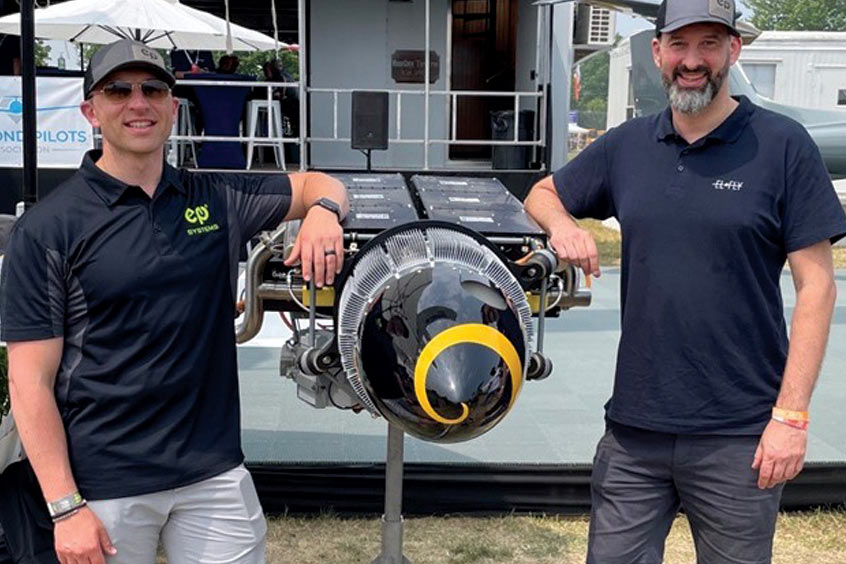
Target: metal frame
column 540, row 95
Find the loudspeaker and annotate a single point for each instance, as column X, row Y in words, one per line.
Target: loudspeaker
column 369, row 120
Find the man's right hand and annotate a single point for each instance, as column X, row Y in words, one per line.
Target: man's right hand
column 570, row 242
column 575, row 245
column 82, row 539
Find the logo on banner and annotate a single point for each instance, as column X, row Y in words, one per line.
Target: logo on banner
column 63, row 135
column 12, row 107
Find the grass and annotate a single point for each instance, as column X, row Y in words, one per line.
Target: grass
column 815, row 537
column 607, row 242
column 608, row 245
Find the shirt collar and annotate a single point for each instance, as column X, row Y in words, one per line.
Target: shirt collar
column 727, row 132
column 110, row 189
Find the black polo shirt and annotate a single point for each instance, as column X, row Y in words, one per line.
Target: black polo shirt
column 706, row 231
column 142, row 291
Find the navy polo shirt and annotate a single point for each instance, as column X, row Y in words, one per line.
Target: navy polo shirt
column 142, row 292
column 706, row 231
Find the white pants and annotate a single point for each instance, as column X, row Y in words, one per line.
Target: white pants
column 216, row 521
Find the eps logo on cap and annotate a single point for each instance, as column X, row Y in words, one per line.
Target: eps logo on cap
column 722, row 8
column 144, row 52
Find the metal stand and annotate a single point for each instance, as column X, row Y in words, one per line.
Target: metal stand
column 367, row 152
column 392, row 519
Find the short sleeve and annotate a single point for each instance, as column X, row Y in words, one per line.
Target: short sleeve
column 258, row 202
column 812, row 211
column 32, row 290
column 582, row 184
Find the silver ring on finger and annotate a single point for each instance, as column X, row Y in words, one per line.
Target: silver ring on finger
column 328, row 252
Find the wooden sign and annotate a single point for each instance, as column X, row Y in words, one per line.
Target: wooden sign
column 409, row 66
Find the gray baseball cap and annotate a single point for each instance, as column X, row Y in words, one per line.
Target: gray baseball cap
column 675, row 14
column 124, row 54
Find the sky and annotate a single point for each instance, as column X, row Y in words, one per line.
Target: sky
column 628, row 24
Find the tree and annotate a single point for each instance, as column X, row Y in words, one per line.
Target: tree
column 42, row 53
column 593, row 99
column 804, row 15
column 251, row 62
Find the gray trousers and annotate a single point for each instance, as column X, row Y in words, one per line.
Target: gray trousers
column 215, row 521
column 641, row 478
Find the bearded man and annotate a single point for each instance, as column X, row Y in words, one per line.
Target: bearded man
column 709, row 410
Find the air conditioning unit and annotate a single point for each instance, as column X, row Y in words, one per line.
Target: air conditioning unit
column 594, row 25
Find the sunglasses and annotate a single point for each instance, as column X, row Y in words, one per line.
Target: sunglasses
column 121, row 90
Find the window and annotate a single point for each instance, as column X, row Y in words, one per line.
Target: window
column 841, row 97
column 630, row 99
column 762, row 77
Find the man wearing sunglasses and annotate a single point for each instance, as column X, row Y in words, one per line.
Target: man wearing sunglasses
column 117, row 305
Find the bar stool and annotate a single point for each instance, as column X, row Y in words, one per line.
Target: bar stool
column 258, row 109
column 183, row 125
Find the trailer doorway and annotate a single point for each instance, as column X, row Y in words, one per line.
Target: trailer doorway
column 483, row 51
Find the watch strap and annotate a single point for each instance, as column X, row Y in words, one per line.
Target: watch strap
column 66, row 504
column 330, row 205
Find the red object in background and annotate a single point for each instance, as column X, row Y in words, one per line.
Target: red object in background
column 577, row 83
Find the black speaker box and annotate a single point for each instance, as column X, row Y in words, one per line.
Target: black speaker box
column 369, row 120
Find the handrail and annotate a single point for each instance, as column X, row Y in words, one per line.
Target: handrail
column 451, row 96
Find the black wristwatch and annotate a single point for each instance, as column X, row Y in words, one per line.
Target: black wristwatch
column 333, row 207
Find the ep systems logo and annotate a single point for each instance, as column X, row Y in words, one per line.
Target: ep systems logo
column 199, row 215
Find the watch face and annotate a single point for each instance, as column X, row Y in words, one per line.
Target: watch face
column 329, row 205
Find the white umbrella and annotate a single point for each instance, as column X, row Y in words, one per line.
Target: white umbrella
column 162, row 24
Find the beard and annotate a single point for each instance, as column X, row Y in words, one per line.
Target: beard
column 691, row 101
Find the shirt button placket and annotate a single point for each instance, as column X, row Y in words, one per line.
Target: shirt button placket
column 161, row 238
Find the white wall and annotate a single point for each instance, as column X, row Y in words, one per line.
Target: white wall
column 527, row 28
column 810, row 67
column 351, row 45
column 560, row 80
column 620, row 65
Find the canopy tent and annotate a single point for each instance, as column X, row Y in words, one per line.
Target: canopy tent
column 158, row 23
column 162, row 24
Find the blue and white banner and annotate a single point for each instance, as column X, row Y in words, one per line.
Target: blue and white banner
column 63, row 133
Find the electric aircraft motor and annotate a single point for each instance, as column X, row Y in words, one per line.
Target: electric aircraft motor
column 430, row 325
column 434, row 331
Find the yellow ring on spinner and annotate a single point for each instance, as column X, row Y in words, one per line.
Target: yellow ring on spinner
column 475, row 333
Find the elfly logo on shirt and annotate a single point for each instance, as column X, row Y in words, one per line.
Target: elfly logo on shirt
column 728, row 185
column 198, row 216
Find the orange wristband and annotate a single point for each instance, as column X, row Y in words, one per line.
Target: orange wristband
column 787, row 414
column 795, row 419
column 795, row 423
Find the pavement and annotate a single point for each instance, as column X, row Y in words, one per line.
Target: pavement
column 555, row 421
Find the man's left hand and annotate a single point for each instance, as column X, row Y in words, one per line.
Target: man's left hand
column 780, row 454
column 320, row 246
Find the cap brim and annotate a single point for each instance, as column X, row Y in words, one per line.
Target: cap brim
column 678, row 24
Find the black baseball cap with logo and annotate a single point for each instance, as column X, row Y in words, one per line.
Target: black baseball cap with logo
column 675, row 14
column 124, row 54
